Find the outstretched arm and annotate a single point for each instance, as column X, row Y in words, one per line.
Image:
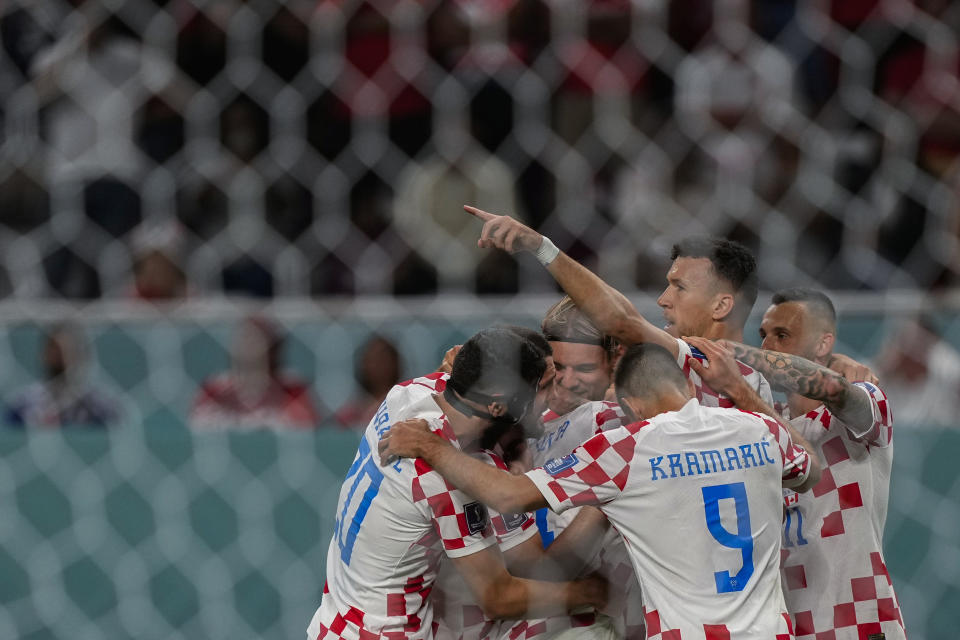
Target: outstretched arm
column 608, row 309
column 795, row 374
column 505, row 492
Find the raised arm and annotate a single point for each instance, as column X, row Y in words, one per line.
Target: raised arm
column 795, row 374
column 505, row 492
column 608, row 309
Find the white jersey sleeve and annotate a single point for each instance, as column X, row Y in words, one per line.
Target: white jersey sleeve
column 880, row 431
column 595, row 473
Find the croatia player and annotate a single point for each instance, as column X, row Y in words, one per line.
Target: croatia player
column 584, row 359
column 694, row 491
column 836, row 582
column 711, row 288
column 457, row 614
column 395, row 524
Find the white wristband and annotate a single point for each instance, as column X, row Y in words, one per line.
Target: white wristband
column 546, row 252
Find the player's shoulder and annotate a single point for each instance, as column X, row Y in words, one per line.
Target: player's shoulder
column 435, row 382
column 413, row 391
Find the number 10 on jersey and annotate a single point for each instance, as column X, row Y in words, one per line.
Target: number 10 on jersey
column 742, row 539
column 363, row 467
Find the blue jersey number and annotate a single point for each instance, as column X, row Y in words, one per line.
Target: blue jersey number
column 742, row 539
column 794, row 515
column 546, row 535
column 364, row 466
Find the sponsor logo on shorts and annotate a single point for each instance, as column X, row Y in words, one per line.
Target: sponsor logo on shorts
column 513, row 520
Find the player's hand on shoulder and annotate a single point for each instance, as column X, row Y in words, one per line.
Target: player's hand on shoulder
column 851, row 369
column 504, row 232
column 721, row 370
column 403, row 439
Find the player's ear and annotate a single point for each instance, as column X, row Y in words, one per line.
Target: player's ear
column 825, row 344
column 723, row 306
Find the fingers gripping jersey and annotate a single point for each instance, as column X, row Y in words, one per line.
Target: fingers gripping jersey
column 707, row 396
column 393, row 525
column 835, row 580
column 708, row 478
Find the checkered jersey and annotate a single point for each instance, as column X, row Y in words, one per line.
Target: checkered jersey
column 710, row 479
column 561, row 435
column 456, row 612
column 835, row 580
column 393, row 525
column 707, row 396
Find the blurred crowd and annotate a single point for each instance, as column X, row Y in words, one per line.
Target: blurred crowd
column 261, row 390
column 169, row 148
column 257, row 391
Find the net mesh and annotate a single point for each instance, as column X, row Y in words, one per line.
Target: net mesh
column 193, row 149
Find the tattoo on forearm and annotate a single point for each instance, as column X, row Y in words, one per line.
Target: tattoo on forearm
column 794, row 374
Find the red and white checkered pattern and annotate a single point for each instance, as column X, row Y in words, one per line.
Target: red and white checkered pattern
column 710, row 398
column 614, row 470
column 458, row 615
column 836, row 584
column 410, row 520
column 655, row 630
column 561, row 435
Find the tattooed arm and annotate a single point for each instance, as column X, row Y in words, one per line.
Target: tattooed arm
column 794, row 374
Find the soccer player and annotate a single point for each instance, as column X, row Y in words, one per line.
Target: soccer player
column 395, row 524
column 836, row 582
column 711, row 288
column 695, row 491
column 584, row 359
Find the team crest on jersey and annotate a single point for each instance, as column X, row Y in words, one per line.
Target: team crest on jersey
column 555, row 466
column 476, row 515
column 513, row 520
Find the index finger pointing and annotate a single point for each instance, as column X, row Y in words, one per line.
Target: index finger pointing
column 479, row 213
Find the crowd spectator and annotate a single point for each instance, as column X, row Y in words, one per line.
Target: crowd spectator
column 255, row 392
column 64, row 397
column 377, row 369
column 920, row 372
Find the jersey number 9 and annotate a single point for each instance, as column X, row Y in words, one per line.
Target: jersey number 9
column 742, row 539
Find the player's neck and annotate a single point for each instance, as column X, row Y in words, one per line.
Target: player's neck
column 723, row 331
column 667, row 401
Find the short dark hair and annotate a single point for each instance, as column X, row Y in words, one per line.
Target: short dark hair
column 566, row 322
column 733, row 263
column 498, row 364
column 645, row 369
column 817, row 302
column 537, row 339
